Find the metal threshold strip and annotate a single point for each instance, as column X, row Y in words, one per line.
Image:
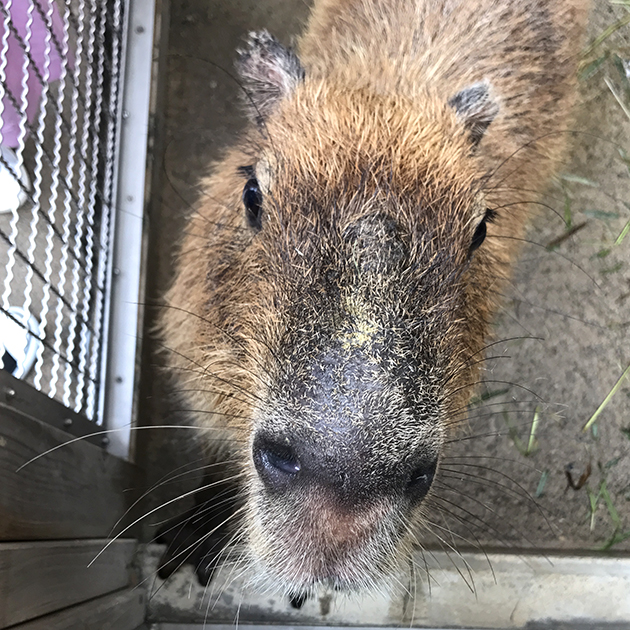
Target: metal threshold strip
column 500, row 590
column 536, row 626
column 188, row 626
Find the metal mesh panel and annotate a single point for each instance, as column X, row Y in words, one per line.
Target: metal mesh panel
column 59, row 97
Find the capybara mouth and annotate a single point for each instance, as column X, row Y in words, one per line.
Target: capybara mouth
column 321, row 541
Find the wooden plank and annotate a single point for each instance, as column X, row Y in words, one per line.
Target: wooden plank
column 123, row 610
column 76, row 491
column 24, row 398
column 37, row 578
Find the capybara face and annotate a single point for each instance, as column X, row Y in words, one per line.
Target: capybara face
column 336, row 336
column 335, row 288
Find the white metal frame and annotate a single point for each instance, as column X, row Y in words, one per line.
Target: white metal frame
column 124, row 310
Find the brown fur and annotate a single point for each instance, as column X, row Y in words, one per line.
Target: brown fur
column 368, row 133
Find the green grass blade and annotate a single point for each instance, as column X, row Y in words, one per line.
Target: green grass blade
column 532, row 433
column 623, row 106
column 606, row 34
column 606, row 400
column 623, row 233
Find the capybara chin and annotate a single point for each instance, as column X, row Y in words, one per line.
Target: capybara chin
column 334, row 289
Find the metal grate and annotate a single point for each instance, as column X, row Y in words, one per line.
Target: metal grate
column 60, row 75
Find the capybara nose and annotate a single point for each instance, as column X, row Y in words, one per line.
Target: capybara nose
column 287, row 463
column 276, row 462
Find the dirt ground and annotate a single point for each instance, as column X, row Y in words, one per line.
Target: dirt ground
column 568, row 308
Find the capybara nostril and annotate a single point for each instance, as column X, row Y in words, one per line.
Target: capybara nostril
column 421, row 479
column 276, row 462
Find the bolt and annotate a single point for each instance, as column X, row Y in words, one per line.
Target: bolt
column 119, row 379
column 139, row 29
column 105, row 441
column 125, row 114
column 9, row 393
column 129, row 197
column 67, row 422
column 116, row 271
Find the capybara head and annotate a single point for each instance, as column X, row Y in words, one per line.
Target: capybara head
column 336, row 303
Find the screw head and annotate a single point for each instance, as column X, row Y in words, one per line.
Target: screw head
column 9, row 393
column 67, row 422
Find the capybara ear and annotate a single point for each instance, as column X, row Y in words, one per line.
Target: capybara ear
column 269, row 72
column 476, row 107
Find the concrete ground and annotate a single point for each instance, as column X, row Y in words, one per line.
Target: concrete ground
column 568, row 307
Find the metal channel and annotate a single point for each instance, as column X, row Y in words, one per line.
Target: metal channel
column 117, row 400
column 461, row 589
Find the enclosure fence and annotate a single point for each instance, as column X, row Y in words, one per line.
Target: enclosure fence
column 60, row 112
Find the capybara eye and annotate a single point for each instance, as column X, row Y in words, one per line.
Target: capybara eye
column 252, row 198
column 480, row 233
column 478, row 237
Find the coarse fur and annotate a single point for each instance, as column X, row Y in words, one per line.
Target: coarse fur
column 332, row 339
